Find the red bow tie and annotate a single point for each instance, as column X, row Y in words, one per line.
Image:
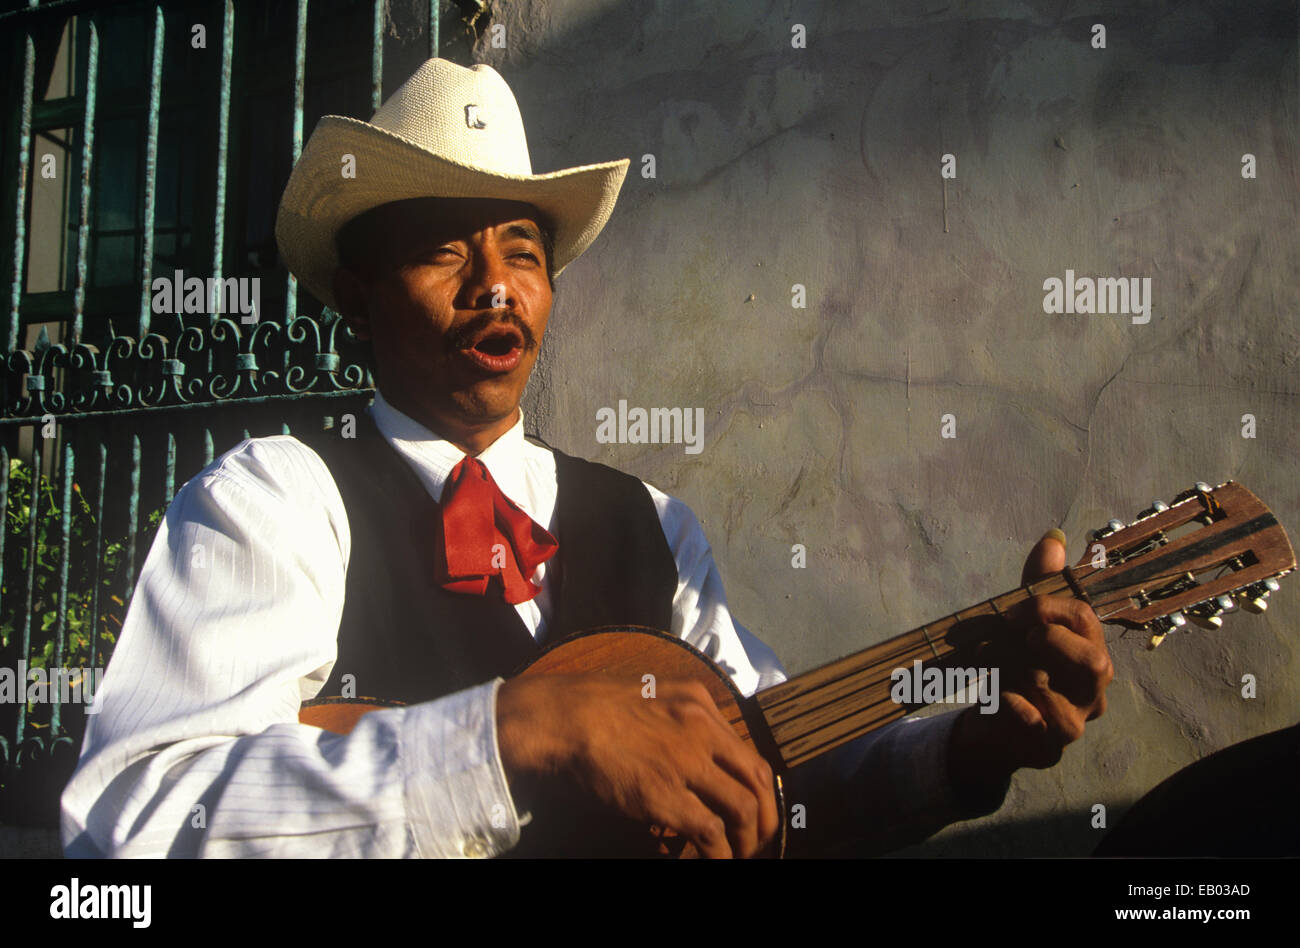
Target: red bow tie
column 486, row 535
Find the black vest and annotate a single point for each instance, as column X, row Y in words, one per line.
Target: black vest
column 404, row 638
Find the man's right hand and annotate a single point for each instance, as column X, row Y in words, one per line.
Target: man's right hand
column 671, row 760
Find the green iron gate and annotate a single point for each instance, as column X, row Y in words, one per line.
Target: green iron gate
column 143, row 139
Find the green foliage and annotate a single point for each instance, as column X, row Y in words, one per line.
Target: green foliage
column 85, row 570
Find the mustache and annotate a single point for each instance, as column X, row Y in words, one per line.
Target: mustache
column 463, row 336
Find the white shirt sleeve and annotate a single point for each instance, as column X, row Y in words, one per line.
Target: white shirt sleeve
column 196, row 749
column 700, row 613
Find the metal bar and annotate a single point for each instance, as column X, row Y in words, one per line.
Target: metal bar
column 434, row 39
column 299, row 68
column 150, row 175
column 90, row 84
column 20, row 192
column 98, row 553
column 189, row 406
column 377, row 56
column 208, row 451
column 223, row 144
column 133, row 518
column 65, row 554
column 169, row 469
column 33, row 518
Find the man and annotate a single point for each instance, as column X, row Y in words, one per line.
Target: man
column 428, row 556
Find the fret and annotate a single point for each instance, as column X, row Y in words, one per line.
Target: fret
column 1055, row 585
column 929, row 641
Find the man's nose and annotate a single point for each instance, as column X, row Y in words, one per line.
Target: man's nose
column 488, row 284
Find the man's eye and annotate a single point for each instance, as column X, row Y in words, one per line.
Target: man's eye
column 437, row 255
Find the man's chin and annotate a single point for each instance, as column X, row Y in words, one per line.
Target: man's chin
column 487, row 404
column 491, row 396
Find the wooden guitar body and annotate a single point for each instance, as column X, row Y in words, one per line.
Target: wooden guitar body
column 564, row 828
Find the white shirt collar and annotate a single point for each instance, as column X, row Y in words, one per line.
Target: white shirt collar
column 433, row 456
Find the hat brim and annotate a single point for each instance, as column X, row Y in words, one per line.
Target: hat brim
column 318, row 200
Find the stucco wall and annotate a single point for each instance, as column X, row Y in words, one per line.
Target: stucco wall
column 821, row 166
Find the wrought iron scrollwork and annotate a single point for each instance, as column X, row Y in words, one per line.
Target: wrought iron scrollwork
column 176, row 364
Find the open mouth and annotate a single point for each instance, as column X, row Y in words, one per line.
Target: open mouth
column 500, row 343
column 496, row 349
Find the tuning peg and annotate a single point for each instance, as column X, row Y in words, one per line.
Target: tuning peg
column 1254, row 598
column 1163, row 626
column 1113, row 526
column 1169, row 623
column 1204, row 519
column 1257, row 606
column 1225, row 602
column 1158, row 507
column 1253, row 601
column 1206, row 615
column 1200, row 488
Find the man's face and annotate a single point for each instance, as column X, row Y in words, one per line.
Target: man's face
column 454, row 296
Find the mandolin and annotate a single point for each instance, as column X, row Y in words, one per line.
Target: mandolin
column 1208, row 552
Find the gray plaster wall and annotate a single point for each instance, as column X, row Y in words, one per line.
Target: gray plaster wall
column 821, row 166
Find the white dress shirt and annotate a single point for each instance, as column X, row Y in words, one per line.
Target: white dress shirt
column 196, row 749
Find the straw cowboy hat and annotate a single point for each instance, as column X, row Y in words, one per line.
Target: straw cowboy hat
column 447, row 132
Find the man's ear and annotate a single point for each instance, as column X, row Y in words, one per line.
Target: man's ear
column 350, row 295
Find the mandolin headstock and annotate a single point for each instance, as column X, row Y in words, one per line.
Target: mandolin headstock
column 1209, row 551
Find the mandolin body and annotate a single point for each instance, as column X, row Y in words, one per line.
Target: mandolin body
column 569, row 828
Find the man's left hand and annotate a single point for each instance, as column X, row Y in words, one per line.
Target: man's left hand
column 1060, row 685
